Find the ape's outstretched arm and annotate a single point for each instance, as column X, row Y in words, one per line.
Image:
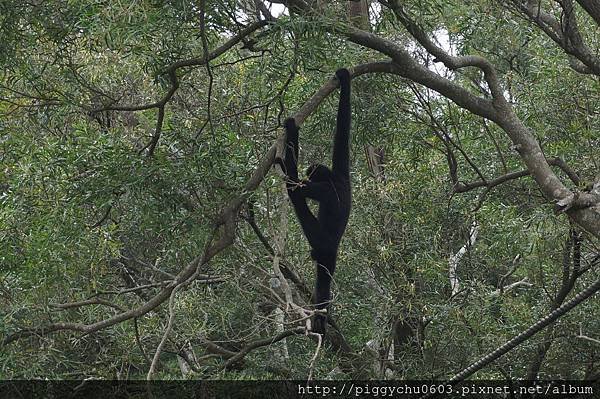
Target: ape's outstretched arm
column 341, row 144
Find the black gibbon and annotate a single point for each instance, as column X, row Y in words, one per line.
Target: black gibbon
column 331, row 189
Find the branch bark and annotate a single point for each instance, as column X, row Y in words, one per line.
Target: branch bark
column 565, row 33
column 592, row 7
column 259, row 343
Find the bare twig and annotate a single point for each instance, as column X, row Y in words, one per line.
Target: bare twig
column 585, row 337
column 314, row 358
column 464, row 187
column 515, row 264
column 521, row 283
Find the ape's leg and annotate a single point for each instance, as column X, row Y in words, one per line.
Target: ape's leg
column 315, row 234
column 318, row 238
column 322, row 296
column 323, row 286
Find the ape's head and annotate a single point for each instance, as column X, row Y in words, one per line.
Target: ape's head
column 318, row 173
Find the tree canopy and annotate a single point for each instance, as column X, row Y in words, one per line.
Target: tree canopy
column 145, row 233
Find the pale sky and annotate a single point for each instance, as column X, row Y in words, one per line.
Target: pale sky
column 440, row 36
column 276, row 9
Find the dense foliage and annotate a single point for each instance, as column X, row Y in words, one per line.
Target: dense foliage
column 129, row 162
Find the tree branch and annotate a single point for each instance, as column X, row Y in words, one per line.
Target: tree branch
column 592, row 7
column 451, row 62
column 87, row 302
column 190, row 62
column 259, row 343
column 464, row 187
column 565, row 34
column 501, row 112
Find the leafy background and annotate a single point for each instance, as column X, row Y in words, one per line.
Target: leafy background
column 86, row 213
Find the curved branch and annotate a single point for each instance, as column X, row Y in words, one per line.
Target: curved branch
column 451, row 62
column 500, row 111
column 464, row 187
column 190, row 62
column 409, row 68
column 259, row 343
column 565, row 35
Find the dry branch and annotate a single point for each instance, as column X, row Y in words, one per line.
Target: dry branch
column 259, row 343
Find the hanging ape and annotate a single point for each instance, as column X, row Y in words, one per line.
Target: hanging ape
column 331, row 189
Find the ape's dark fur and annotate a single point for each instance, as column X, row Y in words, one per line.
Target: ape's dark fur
column 331, row 189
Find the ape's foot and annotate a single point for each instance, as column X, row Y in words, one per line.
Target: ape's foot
column 319, row 324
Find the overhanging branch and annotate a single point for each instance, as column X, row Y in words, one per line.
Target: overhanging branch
column 499, row 111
